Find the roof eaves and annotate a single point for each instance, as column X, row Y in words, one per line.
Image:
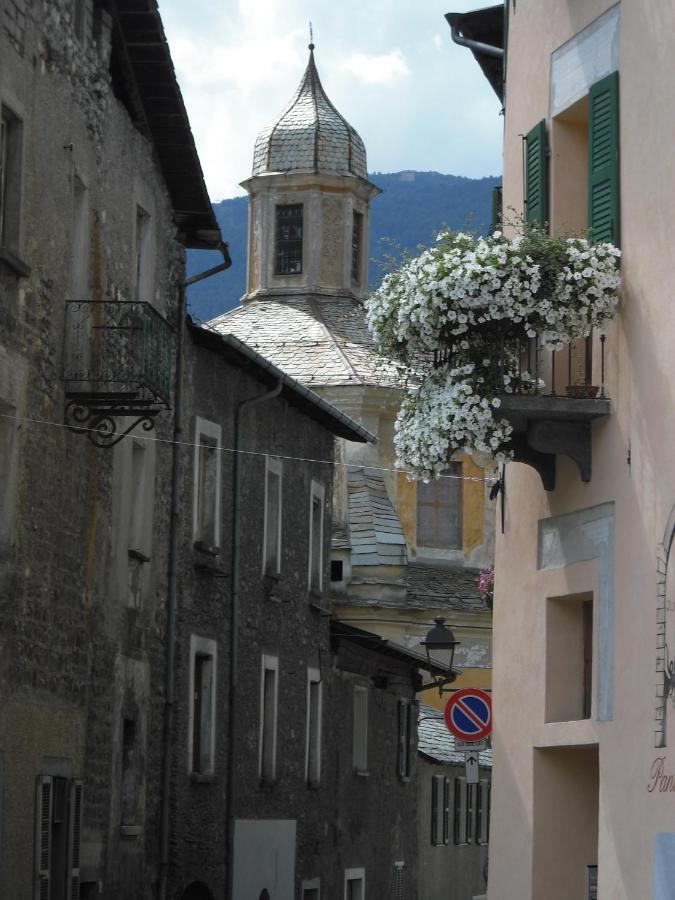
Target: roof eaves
column 148, row 56
column 482, row 31
column 246, row 357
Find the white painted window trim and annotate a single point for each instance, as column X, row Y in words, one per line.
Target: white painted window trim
column 312, row 884
column 206, row 647
column 317, row 491
column 203, row 427
column 362, row 690
column 314, row 677
column 355, row 875
column 270, row 663
column 273, row 465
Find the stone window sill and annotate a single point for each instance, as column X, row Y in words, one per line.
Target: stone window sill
column 361, row 774
column 207, row 549
column 138, row 555
column 131, row 831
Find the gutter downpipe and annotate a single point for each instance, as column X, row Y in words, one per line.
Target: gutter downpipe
column 234, row 625
column 172, row 586
column 478, row 46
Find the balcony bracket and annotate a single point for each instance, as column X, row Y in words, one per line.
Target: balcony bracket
column 543, row 463
column 100, row 423
column 571, row 439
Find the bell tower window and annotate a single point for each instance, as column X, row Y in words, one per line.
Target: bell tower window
column 357, row 232
column 288, row 251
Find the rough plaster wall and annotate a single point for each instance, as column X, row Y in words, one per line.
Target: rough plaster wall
column 62, row 629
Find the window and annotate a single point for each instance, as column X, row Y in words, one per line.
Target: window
column 310, row 890
column 313, row 739
column 357, row 237
column 288, row 250
column 137, row 505
column 207, row 478
column 8, row 441
column 316, row 538
column 58, row 827
column 267, row 760
column 80, row 246
column 471, row 814
column 78, row 19
column 398, row 892
column 10, row 179
column 355, row 884
column 439, row 511
column 586, row 164
column 440, row 810
column 272, row 523
column 143, row 275
column 360, row 739
column 336, row 570
column 405, row 711
column 202, row 719
column 130, row 773
column 569, row 658
column 483, row 812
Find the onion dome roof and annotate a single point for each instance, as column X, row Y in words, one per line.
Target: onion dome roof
column 310, row 134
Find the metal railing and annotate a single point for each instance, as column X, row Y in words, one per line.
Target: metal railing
column 118, row 349
column 522, row 366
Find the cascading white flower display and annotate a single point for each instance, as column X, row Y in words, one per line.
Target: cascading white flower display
column 457, row 302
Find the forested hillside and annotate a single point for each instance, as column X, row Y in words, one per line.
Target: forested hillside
column 413, row 206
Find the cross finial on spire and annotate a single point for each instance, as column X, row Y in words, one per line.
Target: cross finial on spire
column 311, row 37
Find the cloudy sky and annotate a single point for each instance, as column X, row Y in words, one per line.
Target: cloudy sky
column 390, row 67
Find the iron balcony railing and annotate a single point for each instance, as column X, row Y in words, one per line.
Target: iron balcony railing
column 120, row 350
column 522, row 366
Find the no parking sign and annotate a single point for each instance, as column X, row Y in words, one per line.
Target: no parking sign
column 468, row 714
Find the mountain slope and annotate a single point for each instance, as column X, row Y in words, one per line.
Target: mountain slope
column 409, row 212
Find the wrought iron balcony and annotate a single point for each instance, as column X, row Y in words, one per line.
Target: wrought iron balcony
column 549, row 397
column 118, row 364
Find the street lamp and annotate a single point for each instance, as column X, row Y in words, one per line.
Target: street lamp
column 439, row 638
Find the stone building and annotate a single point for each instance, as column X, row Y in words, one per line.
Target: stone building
column 453, row 816
column 402, row 552
column 584, row 622
column 100, row 192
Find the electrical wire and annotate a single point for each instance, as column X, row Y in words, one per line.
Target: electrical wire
column 256, row 453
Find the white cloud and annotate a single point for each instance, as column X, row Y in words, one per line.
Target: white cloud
column 377, row 68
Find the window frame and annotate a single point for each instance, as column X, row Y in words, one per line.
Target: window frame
column 357, row 246
column 317, row 492
column 280, row 243
column 313, row 677
column 310, row 884
column 213, row 432
column 404, row 746
column 360, row 742
column 11, row 181
column 204, row 647
column 357, row 874
column 435, row 506
column 274, row 465
column 268, row 663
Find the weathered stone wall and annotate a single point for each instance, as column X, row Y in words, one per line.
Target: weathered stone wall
column 75, row 658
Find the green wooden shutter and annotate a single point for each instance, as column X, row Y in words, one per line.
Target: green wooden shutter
column 434, row 810
column 43, row 834
column 603, row 159
column 536, row 174
column 74, row 838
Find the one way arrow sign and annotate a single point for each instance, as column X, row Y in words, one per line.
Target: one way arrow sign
column 471, row 759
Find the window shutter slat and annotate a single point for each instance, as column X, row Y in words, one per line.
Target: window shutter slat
column 603, row 159
column 74, row 836
column 446, row 810
column 536, row 174
column 43, row 825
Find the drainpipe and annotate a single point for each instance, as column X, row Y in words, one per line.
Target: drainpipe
column 234, row 624
column 172, row 587
column 453, row 20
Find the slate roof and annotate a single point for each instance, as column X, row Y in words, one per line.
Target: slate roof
column 375, row 532
column 443, row 587
column 435, row 741
column 310, row 134
column 318, row 340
